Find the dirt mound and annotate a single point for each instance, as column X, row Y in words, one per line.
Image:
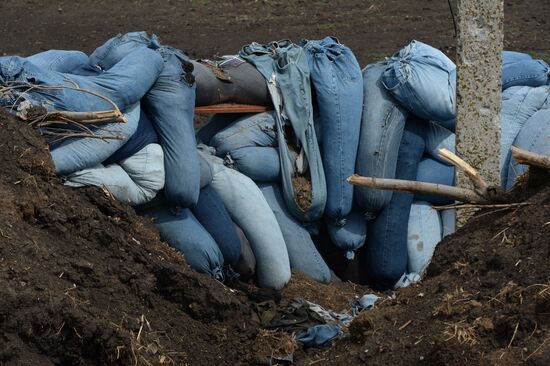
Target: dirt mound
column 83, row 280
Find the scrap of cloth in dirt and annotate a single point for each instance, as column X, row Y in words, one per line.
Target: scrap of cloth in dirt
column 315, row 326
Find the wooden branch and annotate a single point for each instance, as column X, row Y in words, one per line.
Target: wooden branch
column 480, row 185
column 456, row 193
column 531, row 158
column 498, row 205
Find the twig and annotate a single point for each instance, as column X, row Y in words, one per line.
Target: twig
column 531, row 158
column 405, row 325
column 456, row 193
column 469, row 205
column 513, row 335
column 538, row 349
column 480, row 185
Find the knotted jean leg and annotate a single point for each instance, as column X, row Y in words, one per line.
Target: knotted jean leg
column 386, row 251
column 180, row 229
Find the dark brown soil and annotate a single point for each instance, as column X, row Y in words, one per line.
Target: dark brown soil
column 84, row 281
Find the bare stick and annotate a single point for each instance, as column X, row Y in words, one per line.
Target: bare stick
column 500, row 205
column 480, row 185
column 456, row 193
column 531, row 158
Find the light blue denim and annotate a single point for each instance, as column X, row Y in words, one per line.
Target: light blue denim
column 180, row 229
column 336, row 78
column 519, row 103
column 423, row 234
column 525, row 73
column 248, row 209
column 261, row 164
column 350, row 233
column 302, row 252
column 534, row 136
column 170, row 103
column 69, row 62
column 382, row 126
column 248, row 131
column 134, row 180
column 77, row 153
column 286, row 70
column 433, row 171
column 509, row 57
column 448, row 221
column 386, row 256
column 124, row 84
column 211, row 213
column 423, row 80
column 438, row 137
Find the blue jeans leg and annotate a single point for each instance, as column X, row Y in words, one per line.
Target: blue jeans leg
column 211, row 213
column 182, row 230
column 302, row 252
column 386, row 251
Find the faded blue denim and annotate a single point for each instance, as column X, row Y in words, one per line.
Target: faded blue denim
column 423, row 80
column 77, row 153
column 170, row 103
column 519, row 103
column 285, row 68
column 124, row 84
column 248, row 131
column 180, row 229
column 302, row 252
column 211, row 213
column 525, row 73
column 134, row 180
column 534, row 136
column 438, row 137
column 350, row 233
column 423, row 234
column 69, row 62
column 261, row 164
column 248, row 209
column 386, row 255
column 336, row 77
column 433, row 171
column 382, row 126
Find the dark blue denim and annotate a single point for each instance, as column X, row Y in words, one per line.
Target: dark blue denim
column 386, row 252
column 215, row 124
column 180, row 229
column 144, row 135
column 382, row 126
column 286, row 70
column 170, row 103
column 211, row 213
column 433, row 171
column 336, row 78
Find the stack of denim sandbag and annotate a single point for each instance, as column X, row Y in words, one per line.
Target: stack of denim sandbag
column 154, row 163
column 312, row 134
column 408, row 115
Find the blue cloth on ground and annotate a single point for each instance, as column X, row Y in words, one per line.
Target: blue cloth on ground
column 320, row 335
column 423, row 234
